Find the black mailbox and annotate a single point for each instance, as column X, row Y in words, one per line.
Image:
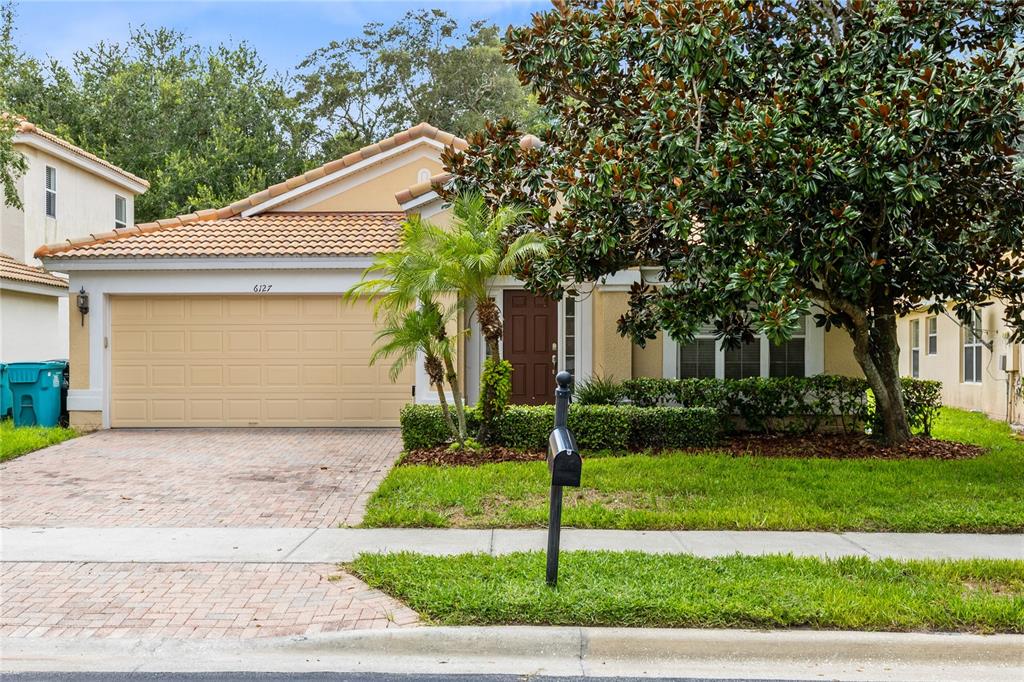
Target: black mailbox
column 564, row 461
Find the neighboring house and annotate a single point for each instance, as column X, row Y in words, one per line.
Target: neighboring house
column 66, row 192
column 233, row 316
column 979, row 368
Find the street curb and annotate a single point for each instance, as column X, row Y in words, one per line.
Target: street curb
column 588, row 652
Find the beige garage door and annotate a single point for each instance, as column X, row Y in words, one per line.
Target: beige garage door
column 248, row 361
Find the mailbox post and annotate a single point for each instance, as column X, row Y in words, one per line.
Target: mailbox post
column 565, row 466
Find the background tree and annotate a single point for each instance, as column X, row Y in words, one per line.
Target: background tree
column 12, row 162
column 204, row 126
column 422, row 68
column 772, row 154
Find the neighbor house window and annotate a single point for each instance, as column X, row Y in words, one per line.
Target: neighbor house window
column 915, row 348
column 932, row 328
column 51, row 192
column 697, row 358
column 788, row 358
column 120, row 212
column 570, row 335
column 972, row 350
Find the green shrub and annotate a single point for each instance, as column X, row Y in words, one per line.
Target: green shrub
column 596, row 427
column 673, row 427
column 922, row 399
column 597, row 390
column 423, row 426
column 786, row 403
column 497, row 374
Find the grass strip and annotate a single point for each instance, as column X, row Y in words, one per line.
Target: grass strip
column 641, row 590
column 19, row 440
column 714, row 490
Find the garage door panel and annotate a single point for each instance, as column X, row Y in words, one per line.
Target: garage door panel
column 249, row 361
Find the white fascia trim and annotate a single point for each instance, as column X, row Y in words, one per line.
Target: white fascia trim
column 261, row 263
column 31, row 288
column 41, row 143
column 416, row 203
column 293, row 194
column 619, row 281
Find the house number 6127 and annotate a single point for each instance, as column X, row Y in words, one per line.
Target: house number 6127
column 261, row 288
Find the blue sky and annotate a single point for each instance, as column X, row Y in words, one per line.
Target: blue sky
column 282, row 32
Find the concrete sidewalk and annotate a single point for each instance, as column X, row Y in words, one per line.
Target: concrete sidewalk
column 556, row 651
column 303, row 546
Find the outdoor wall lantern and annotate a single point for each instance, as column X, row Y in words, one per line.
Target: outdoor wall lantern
column 83, row 304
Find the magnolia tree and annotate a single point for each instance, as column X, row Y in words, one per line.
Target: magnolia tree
column 776, row 158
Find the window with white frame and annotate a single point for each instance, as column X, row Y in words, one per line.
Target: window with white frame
column 931, row 325
column 570, row 335
column 120, row 212
column 788, row 359
column 51, row 192
column 915, row 348
column 745, row 361
column 972, row 349
column 697, row 358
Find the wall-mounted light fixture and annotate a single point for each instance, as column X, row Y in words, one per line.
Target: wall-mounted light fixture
column 83, row 304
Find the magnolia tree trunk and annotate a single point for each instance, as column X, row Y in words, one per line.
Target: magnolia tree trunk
column 489, row 317
column 879, row 357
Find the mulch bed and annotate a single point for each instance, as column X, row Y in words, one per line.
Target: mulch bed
column 442, row 456
column 845, row 446
column 805, row 446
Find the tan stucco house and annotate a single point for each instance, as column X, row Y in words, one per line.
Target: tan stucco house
column 979, row 368
column 233, row 316
column 65, row 191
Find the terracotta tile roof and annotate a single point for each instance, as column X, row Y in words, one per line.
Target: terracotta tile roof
column 421, row 188
column 31, row 129
column 211, row 214
column 265, row 235
column 13, row 269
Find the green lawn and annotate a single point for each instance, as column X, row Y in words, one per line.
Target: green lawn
column 642, row 590
column 15, row 441
column 719, row 491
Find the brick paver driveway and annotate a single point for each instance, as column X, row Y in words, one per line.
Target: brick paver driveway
column 199, row 478
column 194, row 601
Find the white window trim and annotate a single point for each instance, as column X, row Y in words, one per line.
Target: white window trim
column 120, row 224
column 50, row 191
column 814, row 354
column 970, row 340
column 915, row 346
column 931, row 320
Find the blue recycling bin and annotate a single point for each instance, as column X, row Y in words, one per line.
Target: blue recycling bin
column 38, row 390
column 6, row 397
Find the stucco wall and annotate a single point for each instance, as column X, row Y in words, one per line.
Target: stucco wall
column 85, row 204
column 991, row 395
column 373, row 194
column 30, row 329
column 613, row 354
column 78, row 334
column 647, row 361
column 839, row 354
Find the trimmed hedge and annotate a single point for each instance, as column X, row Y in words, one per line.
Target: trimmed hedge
column 787, row 403
column 596, row 427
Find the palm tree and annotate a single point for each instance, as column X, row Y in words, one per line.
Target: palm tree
column 422, row 329
column 463, row 258
column 413, row 319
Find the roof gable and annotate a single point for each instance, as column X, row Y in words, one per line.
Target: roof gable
column 259, row 202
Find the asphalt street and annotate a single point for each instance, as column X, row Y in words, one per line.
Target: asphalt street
column 335, row 677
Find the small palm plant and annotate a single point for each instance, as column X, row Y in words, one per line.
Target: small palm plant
column 422, row 330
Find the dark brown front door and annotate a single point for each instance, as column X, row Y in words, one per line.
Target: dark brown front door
column 531, row 331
